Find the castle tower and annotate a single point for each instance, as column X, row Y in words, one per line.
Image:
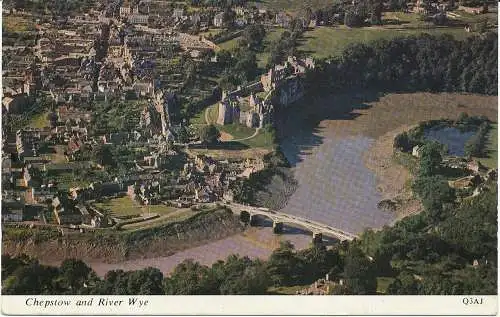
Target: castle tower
column 252, row 101
column 225, row 113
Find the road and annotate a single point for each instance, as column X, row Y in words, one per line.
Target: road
column 314, row 226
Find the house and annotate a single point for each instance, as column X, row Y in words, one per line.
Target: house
column 219, row 20
column 228, row 195
column 472, row 10
column 196, row 18
column 416, row 150
column 86, row 217
column 283, row 19
column 138, row 18
column 475, row 166
column 65, row 215
column 12, row 210
column 109, row 189
column 116, row 138
column 16, row 103
column 178, row 14
column 125, row 11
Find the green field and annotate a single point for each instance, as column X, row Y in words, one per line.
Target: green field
column 67, row 180
column 125, row 207
column 492, row 148
column 262, row 140
column 383, row 283
column 323, row 42
column 39, row 121
column 199, row 118
column 285, row 290
column 238, row 131
column 17, row 24
column 177, row 216
column 271, row 37
column 213, row 112
column 213, row 32
column 230, row 45
column 292, row 5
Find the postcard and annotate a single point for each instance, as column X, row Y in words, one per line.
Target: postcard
column 284, row 158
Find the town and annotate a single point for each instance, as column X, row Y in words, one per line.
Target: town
column 263, row 147
column 97, row 59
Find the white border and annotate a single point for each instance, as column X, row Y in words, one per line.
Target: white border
column 270, row 305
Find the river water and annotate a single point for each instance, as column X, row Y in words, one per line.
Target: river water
column 256, row 242
column 334, row 188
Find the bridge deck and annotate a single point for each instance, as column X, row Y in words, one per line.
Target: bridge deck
column 282, row 217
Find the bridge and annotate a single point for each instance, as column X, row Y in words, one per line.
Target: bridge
column 279, row 218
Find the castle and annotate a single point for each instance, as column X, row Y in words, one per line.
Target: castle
column 258, row 114
column 281, row 85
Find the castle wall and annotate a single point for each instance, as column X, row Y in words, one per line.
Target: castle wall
column 225, row 114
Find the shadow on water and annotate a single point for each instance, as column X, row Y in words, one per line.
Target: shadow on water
column 298, row 126
column 288, row 229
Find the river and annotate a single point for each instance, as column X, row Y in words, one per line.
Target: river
column 325, row 141
column 256, row 242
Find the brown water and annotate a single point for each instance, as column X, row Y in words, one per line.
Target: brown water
column 335, row 187
column 258, row 242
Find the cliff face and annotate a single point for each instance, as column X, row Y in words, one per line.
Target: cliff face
column 113, row 246
column 290, row 91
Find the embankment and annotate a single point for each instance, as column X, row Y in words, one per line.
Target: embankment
column 117, row 246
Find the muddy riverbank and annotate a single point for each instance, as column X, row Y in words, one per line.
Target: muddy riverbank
column 340, row 148
column 116, row 247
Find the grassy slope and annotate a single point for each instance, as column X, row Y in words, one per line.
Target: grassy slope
column 292, row 5
column 17, row 24
column 383, row 283
column 39, row 121
column 261, row 140
column 230, row 45
column 238, row 131
column 271, row 37
column 124, row 206
column 326, row 41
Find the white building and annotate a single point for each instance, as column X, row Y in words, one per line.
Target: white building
column 219, row 20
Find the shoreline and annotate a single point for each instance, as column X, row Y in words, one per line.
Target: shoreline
column 392, row 178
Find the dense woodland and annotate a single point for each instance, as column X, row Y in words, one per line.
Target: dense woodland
column 416, row 63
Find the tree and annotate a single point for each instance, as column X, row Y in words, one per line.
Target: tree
column 33, row 279
column 183, row 135
column 148, row 281
column 402, row 142
column 359, row 274
column 319, row 261
column 404, row 284
column 75, row 273
column 430, row 159
column 434, row 191
column 245, row 216
column 352, row 19
column 209, row 134
column 254, row 35
column 191, row 278
column 103, row 155
column 284, row 267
